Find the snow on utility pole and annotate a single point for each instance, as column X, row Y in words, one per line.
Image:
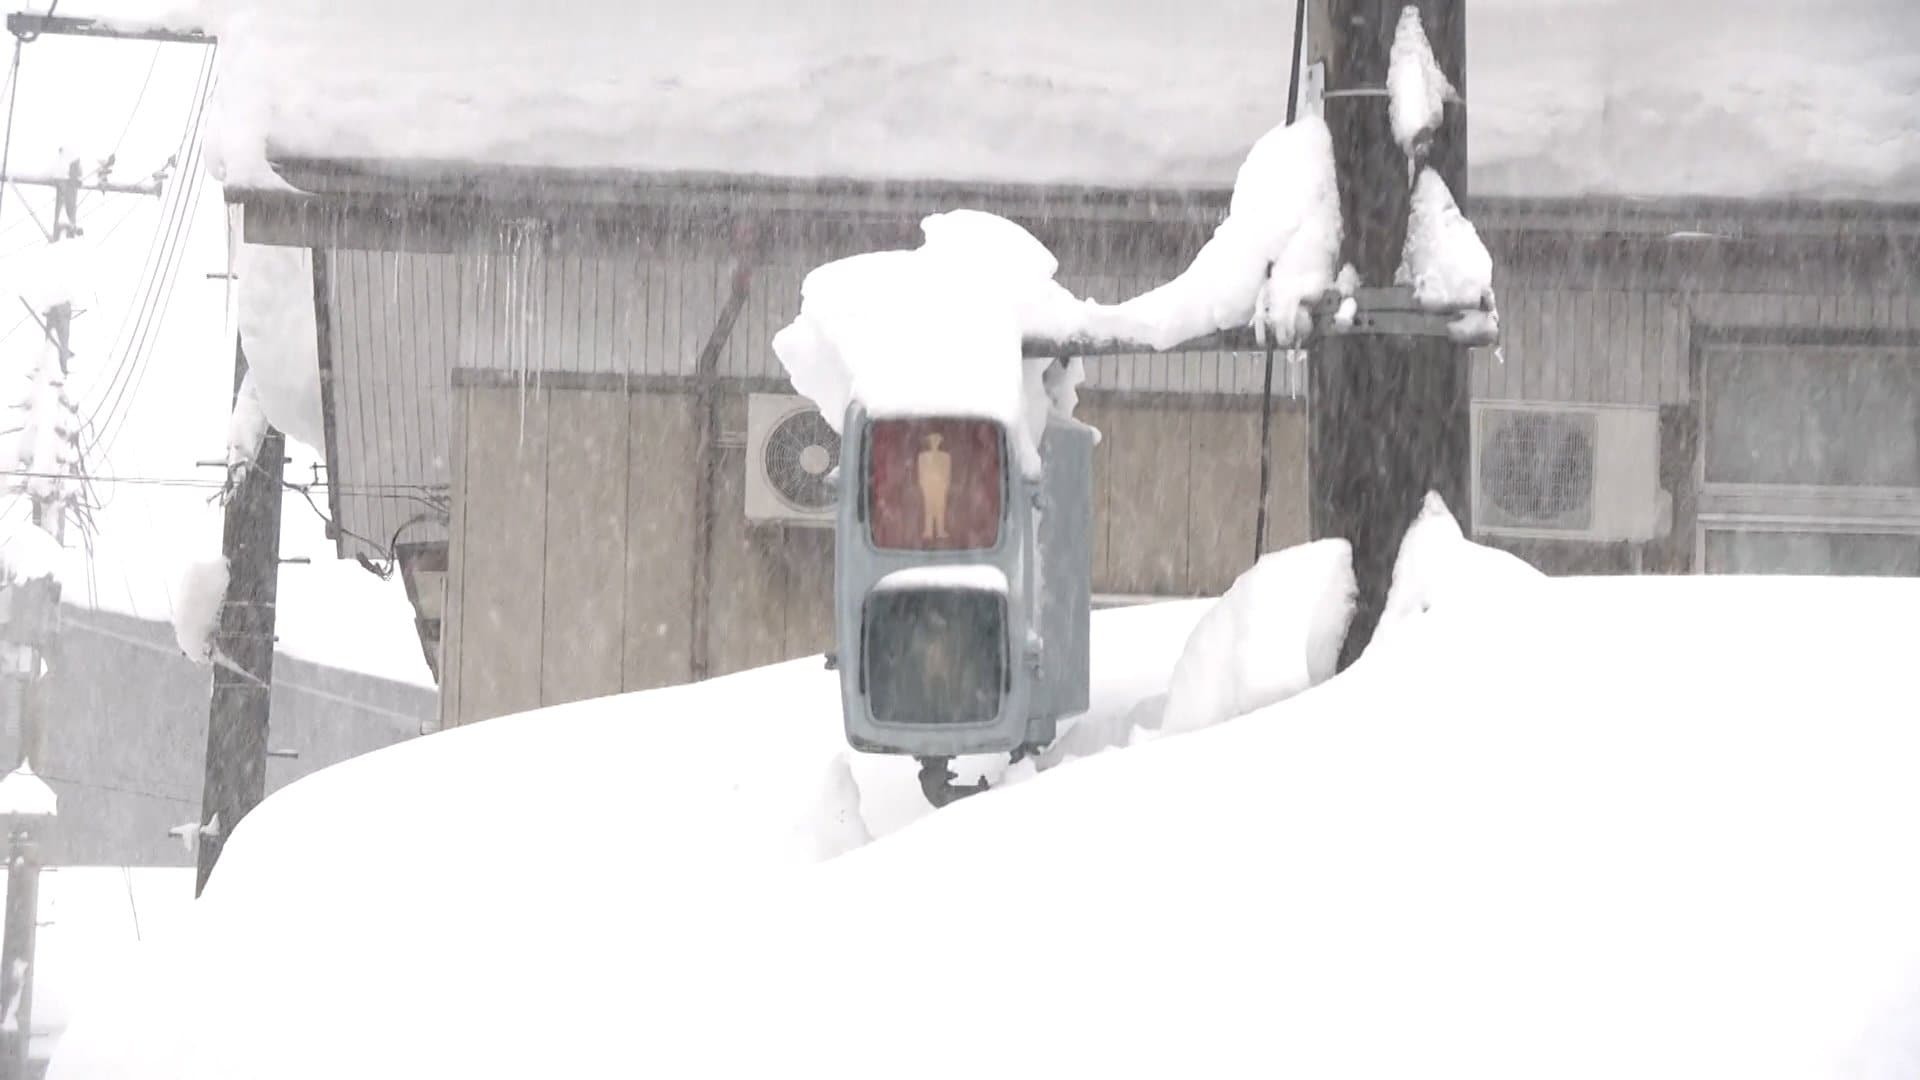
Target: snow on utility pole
column 238, row 714
column 1388, row 415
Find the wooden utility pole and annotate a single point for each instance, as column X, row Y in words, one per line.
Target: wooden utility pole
column 238, row 714
column 1388, row 416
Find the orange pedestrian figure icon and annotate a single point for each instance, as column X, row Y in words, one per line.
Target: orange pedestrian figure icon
column 934, row 471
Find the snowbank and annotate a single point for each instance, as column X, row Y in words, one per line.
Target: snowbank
column 1438, row 565
column 1275, row 633
column 662, row 796
column 91, row 919
column 1569, row 833
column 1709, row 97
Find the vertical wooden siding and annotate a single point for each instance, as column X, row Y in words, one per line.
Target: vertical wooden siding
column 403, row 322
column 1630, row 346
column 573, row 537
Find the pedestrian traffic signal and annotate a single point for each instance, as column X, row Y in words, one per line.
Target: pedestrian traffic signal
column 943, row 639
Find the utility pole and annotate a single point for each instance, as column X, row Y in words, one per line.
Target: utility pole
column 236, row 777
column 31, row 620
column 33, row 631
column 1389, row 416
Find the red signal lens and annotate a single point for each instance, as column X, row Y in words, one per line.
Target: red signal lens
column 934, row 485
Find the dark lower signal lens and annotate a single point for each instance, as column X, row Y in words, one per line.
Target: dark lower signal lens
column 935, row 656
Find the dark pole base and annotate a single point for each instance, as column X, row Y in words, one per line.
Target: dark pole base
column 1389, row 420
column 936, row 783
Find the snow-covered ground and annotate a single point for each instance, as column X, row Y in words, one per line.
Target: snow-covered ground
column 1650, row 97
column 91, row 920
column 1643, row 827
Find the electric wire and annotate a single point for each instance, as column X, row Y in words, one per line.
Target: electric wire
column 13, row 93
column 150, row 265
column 166, row 237
column 136, row 354
column 138, row 100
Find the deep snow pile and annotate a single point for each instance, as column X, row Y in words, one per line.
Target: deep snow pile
column 1275, row 633
column 1437, row 564
column 91, row 919
column 1567, row 833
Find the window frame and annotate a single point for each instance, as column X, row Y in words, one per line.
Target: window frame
column 1722, row 506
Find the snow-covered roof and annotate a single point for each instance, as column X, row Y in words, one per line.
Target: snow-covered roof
column 1565, row 97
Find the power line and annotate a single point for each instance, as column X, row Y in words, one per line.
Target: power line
column 13, row 93
column 417, row 492
column 162, row 249
column 119, row 790
column 130, row 370
column 139, row 99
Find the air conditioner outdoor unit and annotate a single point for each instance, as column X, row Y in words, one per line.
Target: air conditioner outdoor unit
column 791, row 453
column 1568, row 472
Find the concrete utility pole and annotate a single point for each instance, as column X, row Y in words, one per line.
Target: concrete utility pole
column 238, row 715
column 31, row 621
column 1388, row 416
column 32, row 631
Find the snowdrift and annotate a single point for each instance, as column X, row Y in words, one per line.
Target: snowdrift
column 1585, row 828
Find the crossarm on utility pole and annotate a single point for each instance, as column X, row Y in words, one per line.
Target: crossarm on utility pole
column 145, row 187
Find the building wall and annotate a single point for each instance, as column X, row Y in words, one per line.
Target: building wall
column 489, row 377
column 574, row 539
column 401, row 324
column 1627, row 324
column 126, row 750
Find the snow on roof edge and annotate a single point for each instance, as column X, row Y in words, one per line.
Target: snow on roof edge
column 371, row 179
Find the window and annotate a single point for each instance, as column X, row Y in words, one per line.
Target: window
column 1771, row 551
column 1812, row 417
column 1809, row 460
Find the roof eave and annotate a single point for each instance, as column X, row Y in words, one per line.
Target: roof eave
column 403, row 188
